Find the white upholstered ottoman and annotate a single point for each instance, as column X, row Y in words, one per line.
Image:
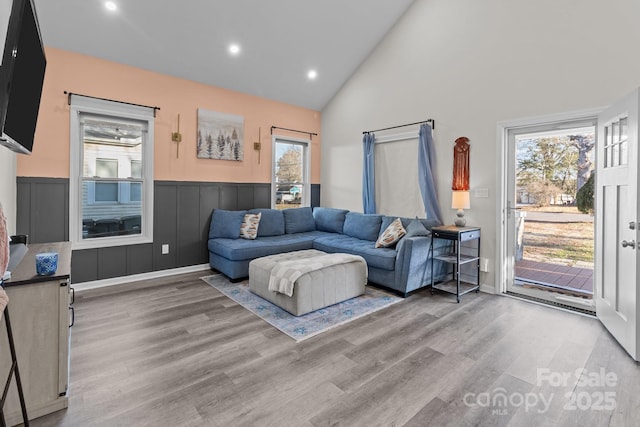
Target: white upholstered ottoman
column 313, row 290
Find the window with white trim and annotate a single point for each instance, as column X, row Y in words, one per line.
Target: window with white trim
column 111, row 184
column 290, row 187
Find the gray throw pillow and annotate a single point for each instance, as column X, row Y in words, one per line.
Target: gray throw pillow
column 416, row 228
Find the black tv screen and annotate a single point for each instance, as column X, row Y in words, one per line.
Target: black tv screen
column 21, row 78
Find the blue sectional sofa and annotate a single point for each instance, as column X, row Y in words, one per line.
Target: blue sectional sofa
column 403, row 268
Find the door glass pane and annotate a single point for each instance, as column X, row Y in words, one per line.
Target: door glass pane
column 624, row 157
column 624, row 124
column 552, row 229
column 607, row 147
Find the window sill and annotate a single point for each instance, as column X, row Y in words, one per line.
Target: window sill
column 108, row 242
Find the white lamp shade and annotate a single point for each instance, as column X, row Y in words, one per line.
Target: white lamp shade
column 460, row 200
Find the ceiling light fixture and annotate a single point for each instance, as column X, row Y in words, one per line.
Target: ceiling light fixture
column 312, row 74
column 234, row 49
column 111, row 6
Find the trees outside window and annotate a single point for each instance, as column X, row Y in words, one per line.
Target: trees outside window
column 552, row 169
column 290, row 184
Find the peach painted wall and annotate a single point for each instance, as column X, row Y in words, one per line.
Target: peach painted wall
column 95, row 77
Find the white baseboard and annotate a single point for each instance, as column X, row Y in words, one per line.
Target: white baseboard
column 490, row 289
column 84, row 286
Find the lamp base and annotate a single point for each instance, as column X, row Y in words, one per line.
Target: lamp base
column 460, row 220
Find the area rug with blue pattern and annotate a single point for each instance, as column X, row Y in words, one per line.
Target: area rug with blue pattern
column 310, row 324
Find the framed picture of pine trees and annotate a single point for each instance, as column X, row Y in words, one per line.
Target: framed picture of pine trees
column 220, row 136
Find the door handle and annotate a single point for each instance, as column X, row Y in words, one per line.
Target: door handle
column 631, row 244
column 510, row 208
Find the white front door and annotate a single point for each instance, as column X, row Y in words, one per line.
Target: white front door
column 615, row 277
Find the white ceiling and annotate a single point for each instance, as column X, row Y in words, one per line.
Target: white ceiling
column 281, row 40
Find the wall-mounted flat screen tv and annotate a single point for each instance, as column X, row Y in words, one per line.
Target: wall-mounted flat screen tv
column 21, row 78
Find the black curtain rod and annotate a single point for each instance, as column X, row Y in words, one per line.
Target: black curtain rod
column 311, row 134
column 433, row 126
column 110, row 100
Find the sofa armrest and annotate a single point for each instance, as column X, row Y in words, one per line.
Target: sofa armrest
column 413, row 263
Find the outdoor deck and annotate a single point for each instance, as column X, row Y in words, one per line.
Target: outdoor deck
column 572, row 279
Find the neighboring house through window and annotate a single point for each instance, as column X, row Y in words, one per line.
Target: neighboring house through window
column 111, row 185
column 290, row 185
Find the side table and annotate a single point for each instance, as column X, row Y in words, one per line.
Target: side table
column 465, row 251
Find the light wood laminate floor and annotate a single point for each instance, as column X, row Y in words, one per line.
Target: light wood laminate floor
column 176, row 352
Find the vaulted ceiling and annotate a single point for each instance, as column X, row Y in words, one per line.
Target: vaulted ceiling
column 279, row 41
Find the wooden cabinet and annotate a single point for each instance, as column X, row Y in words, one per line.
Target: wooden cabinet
column 40, row 319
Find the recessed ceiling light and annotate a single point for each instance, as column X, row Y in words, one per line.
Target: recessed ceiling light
column 111, row 6
column 312, row 74
column 234, row 49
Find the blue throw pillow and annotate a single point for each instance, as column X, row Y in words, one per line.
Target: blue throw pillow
column 271, row 222
column 298, row 220
column 362, row 226
column 430, row 223
column 329, row 219
column 226, row 224
column 416, row 228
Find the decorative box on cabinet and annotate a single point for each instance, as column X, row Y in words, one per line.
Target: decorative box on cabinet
column 40, row 319
column 464, row 252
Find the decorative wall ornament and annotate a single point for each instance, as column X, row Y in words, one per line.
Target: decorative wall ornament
column 461, row 164
column 220, row 136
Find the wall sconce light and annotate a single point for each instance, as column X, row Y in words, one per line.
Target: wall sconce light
column 258, row 145
column 460, row 200
column 177, row 138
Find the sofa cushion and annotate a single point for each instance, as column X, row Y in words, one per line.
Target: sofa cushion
column 249, row 226
column 390, row 236
column 384, row 258
column 241, row 249
column 298, row 220
column 226, row 224
column 329, row 219
column 362, row 226
column 417, row 228
column 271, row 222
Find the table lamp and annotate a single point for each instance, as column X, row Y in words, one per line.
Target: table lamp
column 460, row 200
